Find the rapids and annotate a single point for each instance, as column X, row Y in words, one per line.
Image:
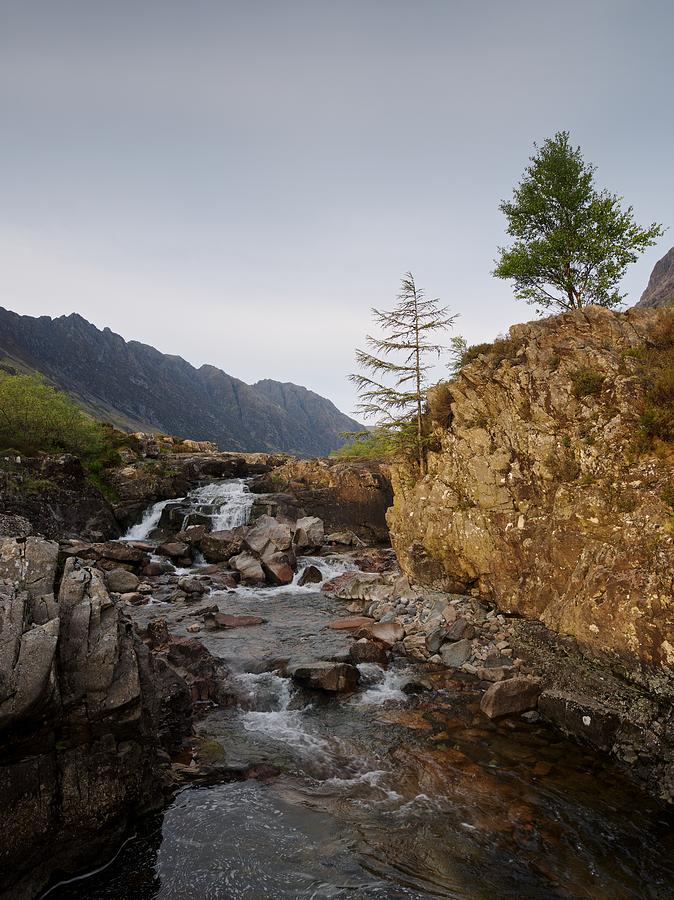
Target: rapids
column 400, row 790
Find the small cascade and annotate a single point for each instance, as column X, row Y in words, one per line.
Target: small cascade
column 381, row 685
column 231, row 502
column 143, row 529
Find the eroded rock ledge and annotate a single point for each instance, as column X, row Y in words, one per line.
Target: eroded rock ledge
column 540, row 497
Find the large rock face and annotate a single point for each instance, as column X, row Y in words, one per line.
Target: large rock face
column 660, row 289
column 537, row 494
column 346, row 496
column 80, row 717
column 137, row 387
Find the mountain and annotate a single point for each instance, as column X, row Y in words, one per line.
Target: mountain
column 660, row 290
column 138, row 388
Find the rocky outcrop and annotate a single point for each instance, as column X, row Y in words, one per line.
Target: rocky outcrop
column 54, row 495
column 136, row 387
column 86, row 715
column 347, row 496
column 543, row 498
column 660, row 288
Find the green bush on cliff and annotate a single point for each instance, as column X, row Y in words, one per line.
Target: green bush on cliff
column 379, row 442
column 657, row 363
column 36, row 417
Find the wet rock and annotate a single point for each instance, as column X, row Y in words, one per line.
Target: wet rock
column 267, row 537
column 224, row 620
column 156, row 568
column 309, row 534
column 121, row 581
column 219, row 546
column 157, row 633
column 191, row 534
column 366, row 651
column 454, row 655
column 531, row 716
column 193, row 585
column 194, row 628
column 516, row 695
column 249, row 568
column 580, row 717
column 278, row 568
column 327, row 676
column 344, row 538
column 134, row 598
column 387, row 632
column 225, row 581
column 174, row 550
column 350, row 623
column 310, row 575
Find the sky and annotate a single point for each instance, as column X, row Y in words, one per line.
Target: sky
column 240, row 182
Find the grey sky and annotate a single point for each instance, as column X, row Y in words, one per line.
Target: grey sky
column 238, row 183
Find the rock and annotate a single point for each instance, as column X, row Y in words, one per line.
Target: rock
column 461, row 629
column 121, row 581
column 350, row 623
column 134, row 598
column 309, row 534
column 366, row 651
column 387, row 632
column 219, row 546
column 345, row 538
column 249, row 568
column 516, row 695
column 157, row 633
column 224, row 620
column 194, row 628
column 192, row 584
column 174, row 549
column 191, row 534
column 327, row 676
column 154, row 569
column 435, row 639
column 660, row 288
column 278, row 568
column 454, row 655
column 267, row 537
column 531, row 716
column 310, row 575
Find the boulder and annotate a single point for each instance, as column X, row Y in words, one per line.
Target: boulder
column 309, row 534
column 350, row 623
column 134, row 598
column 219, row 546
column 249, row 568
column 191, row 534
column 310, row 575
column 121, row 581
column 516, row 695
column 333, row 677
column 344, row 538
column 153, row 569
column 387, row 632
column 268, row 536
column 278, row 568
column 366, row 651
column 191, row 584
column 174, row 549
column 454, row 655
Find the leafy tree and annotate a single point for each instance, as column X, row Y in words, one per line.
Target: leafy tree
column 572, row 243
column 403, row 355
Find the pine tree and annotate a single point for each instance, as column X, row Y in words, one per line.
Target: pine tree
column 572, row 242
column 402, row 354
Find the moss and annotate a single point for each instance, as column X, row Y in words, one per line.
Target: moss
column 586, row 383
column 36, row 486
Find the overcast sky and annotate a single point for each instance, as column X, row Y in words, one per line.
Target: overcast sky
column 239, row 182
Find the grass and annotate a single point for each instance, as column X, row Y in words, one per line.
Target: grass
column 656, row 363
column 587, row 383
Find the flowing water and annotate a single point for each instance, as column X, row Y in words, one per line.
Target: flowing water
column 385, row 793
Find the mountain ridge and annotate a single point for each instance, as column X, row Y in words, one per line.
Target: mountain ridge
column 137, row 387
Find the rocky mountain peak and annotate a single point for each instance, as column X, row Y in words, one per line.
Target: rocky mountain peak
column 660, row 289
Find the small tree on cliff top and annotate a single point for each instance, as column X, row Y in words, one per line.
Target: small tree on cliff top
column 572, row 242
column 402, row 355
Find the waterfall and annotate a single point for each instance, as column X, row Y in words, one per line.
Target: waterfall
column 143, row 529
column 232, row 502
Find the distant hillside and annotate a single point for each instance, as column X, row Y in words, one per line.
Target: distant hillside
column 136, row 387
column 660, row 289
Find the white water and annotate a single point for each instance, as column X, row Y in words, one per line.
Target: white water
column 382, row 684
column 143, row 529
column 232, row 498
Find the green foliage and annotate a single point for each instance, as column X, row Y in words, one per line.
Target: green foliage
column 375, row 444
column 657, row 367
column 35, row 417
column 572, row 243
column 401, row 356
column 462, row 353
column 586, row 383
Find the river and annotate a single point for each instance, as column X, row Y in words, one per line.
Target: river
column 385, row 793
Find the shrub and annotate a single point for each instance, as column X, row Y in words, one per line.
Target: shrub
column 440, row 403
column 586, row 383
column 368, row 444
column 657, row 368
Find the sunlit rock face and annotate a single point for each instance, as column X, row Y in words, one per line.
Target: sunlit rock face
column 660, row 288
column 539, row 491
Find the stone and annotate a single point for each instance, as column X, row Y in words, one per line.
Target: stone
column 366, row 651
column 192, row 584
column 309, row 534
column 435, row 639
column 267, row 537
column 327, row 676
column 387, row 632
column 516, row 695
column 156, row 568
column 459, row 630
column 174, row 550
column 191, row 534
column 121, row 581
column 249, row 568
column 531, row 716
column 454, row 655
column 278, row 568
column 350, row 623
column 194, row 628
column 220, row 546
column 134, row 598
column 310, row 575
column 345, row 538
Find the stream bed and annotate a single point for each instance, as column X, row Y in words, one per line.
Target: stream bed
column 394, row 791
